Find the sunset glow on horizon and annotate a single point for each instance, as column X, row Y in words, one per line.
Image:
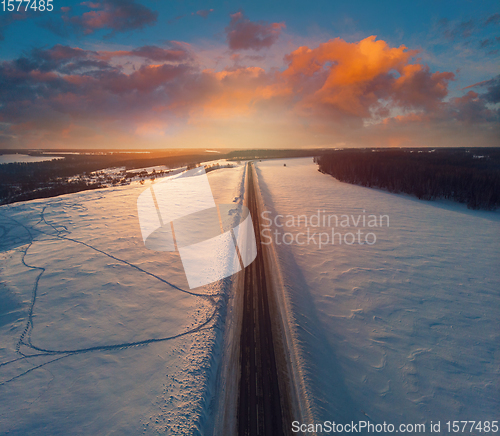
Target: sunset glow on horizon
column 132, row 74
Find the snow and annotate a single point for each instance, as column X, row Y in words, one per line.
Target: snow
column 119, row 344
column 405, row 330
column 148, row 169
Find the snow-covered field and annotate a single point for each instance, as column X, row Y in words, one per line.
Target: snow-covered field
column 405, row 330
column 99, row 335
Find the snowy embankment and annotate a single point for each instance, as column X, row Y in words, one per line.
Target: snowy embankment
column 99, row 335
column 403, row 328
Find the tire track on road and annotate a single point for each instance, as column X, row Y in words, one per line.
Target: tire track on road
column 262, row 406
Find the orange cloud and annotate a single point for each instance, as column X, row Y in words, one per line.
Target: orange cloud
column 231, row 93
column 151, row 128
column 349, row 62
column 348, row 78
column 335, row 92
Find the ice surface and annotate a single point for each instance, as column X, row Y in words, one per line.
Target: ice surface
column 405, row 330
column 117, row 343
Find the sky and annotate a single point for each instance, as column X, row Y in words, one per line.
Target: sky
column 249, row 74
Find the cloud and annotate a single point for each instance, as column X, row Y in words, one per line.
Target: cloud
column 486, row 42
column 66, row 81
column 243, row 34
column 346, row 90
column 471, row 32
column 354, row 79
column 175, row 53
column 471, row 108
column 113, row 15
column 454, row 31
column 231, row 92
column 145, row 80
column 176, row 18
column 161, row 54
column 61, row 59
column 10, row 17
column 204, row 12
column 493, row 19
column 492, row 95
column 419, row 88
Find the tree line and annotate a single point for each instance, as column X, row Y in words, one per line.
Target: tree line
column 28, row 181
column 470, row 176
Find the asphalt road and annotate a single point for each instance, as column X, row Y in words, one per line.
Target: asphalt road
column 261, row 406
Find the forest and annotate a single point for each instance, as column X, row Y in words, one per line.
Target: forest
column 74, row 173
column 470, row 176
column 83, row 169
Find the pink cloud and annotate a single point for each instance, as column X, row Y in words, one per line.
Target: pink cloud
column 204, row 13
column 114, row 15
column 360, row 78
column 330, row 89
column 176, row 53
column 243, row 34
